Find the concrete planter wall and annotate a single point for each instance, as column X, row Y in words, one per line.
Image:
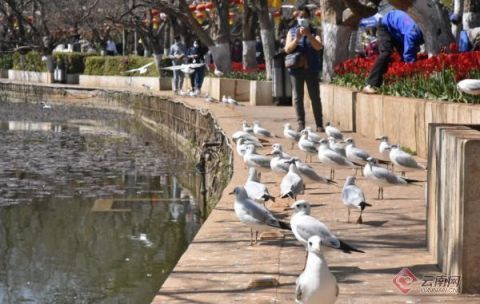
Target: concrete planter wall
column 239, row 89
column 261, row 93
column 377, row 115
column 120, row 82
column 28, row 76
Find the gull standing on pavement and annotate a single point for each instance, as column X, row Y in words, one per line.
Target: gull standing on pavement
column 259, row 131
column 252, row 159
column 242, row 145
column 254, row 215
column 246, row 127
column 312, row 136
column 383, row 177
column 353, row 197
column 306, row 145
column 338, row 147
column 316, row 284
column 403, row 160
column 332, row 159
column 242, row 134
column 333, row 132
column 305, row 226
column 384, row 146
column 291, row 134
column 292, row 182
column 255, row 189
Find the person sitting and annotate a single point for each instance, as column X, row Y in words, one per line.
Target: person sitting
column 395, row 30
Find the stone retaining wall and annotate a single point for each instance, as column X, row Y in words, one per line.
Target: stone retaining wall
column 152, row 83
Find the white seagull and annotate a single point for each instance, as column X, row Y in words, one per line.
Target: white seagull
column 316, row 284
column 291, row 134
column 254, row 215
column 292, row 182
column 354, row 198
column 383, row 177
column 332, row 159
column 259, row 131
column 469, row 86
column 333, row 132
column 45, row 105
column 312, row 136
column 255, row 189
column 305, row 226
column 338, row 147
column 252, row 159
column 384, row 146
column 246, row 136
column 246, row 127
column 140, row 70
column 306, row 145
column 404, row 160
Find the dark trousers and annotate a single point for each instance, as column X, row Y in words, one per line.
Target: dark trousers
column 298, row 80
column 385, row 47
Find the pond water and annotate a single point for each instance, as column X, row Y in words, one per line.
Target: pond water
column 92, row 208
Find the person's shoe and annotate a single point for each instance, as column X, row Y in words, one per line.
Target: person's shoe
column 369, row 90
column 301, row 127
column 320, row 129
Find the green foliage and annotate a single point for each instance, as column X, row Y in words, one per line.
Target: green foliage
column 6, row 61
column 32, row 61
column 74, row 62
column 438, row 86
column 117, row 65
column 260, row 75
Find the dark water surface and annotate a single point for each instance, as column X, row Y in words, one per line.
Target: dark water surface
column 91, row 206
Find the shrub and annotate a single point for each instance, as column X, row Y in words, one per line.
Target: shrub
column 6, row 61
column 32, row 61
column 74, row 62
column 118, row 65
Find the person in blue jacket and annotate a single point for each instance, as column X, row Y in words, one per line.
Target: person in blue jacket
column 395, row 30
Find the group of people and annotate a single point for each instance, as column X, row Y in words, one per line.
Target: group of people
column 179, row 54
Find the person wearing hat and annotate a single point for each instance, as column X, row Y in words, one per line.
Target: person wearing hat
column 395, row 30
column 469, row 40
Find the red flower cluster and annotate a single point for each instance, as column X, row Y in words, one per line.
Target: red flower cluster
column 461, row 63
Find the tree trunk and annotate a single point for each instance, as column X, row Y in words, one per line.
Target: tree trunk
column 432, row 17
column 334, row 36
column 267, row 34
column 334, row 52
column 250, row 19
column 158, row 63
column 249, row 54
column 221, row 57
column 457, row 9
column 471, row 16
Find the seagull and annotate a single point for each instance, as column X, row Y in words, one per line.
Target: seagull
column 292, row 182
column 278, row 163
column 231, row 101
column 316, row 284
column 305, row 226
column 140, row 70
column 279, row 147
column 259, row 131
column 312, row 136
column 254, row 214
column 247, row 136
column 469, row 86
column 383, row 146
column 218, row 73
column 246, row 127
column 355, row 154
column 306, row 145
column 209, row 99
column 241, row 146
column 338, row 147
column 291, row 134
column 187, row 70
column 333, row 159
column 404, row 160
column 353, row 197
column 252, row 159
column 146, row 86
column 142, row 238
column 383, row 177
column 45, row 106
column 333, row 132
column 256, row 190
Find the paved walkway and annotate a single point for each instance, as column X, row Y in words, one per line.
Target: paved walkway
column 219, row 265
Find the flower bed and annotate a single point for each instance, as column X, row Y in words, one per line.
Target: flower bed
column 238, row 72
column 429, row 78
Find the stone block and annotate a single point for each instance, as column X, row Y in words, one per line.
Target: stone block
column 369, row 115
column 343, row 109
column 261, row 93
column 242, row 90
column 120, row 82
column 222, row 86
